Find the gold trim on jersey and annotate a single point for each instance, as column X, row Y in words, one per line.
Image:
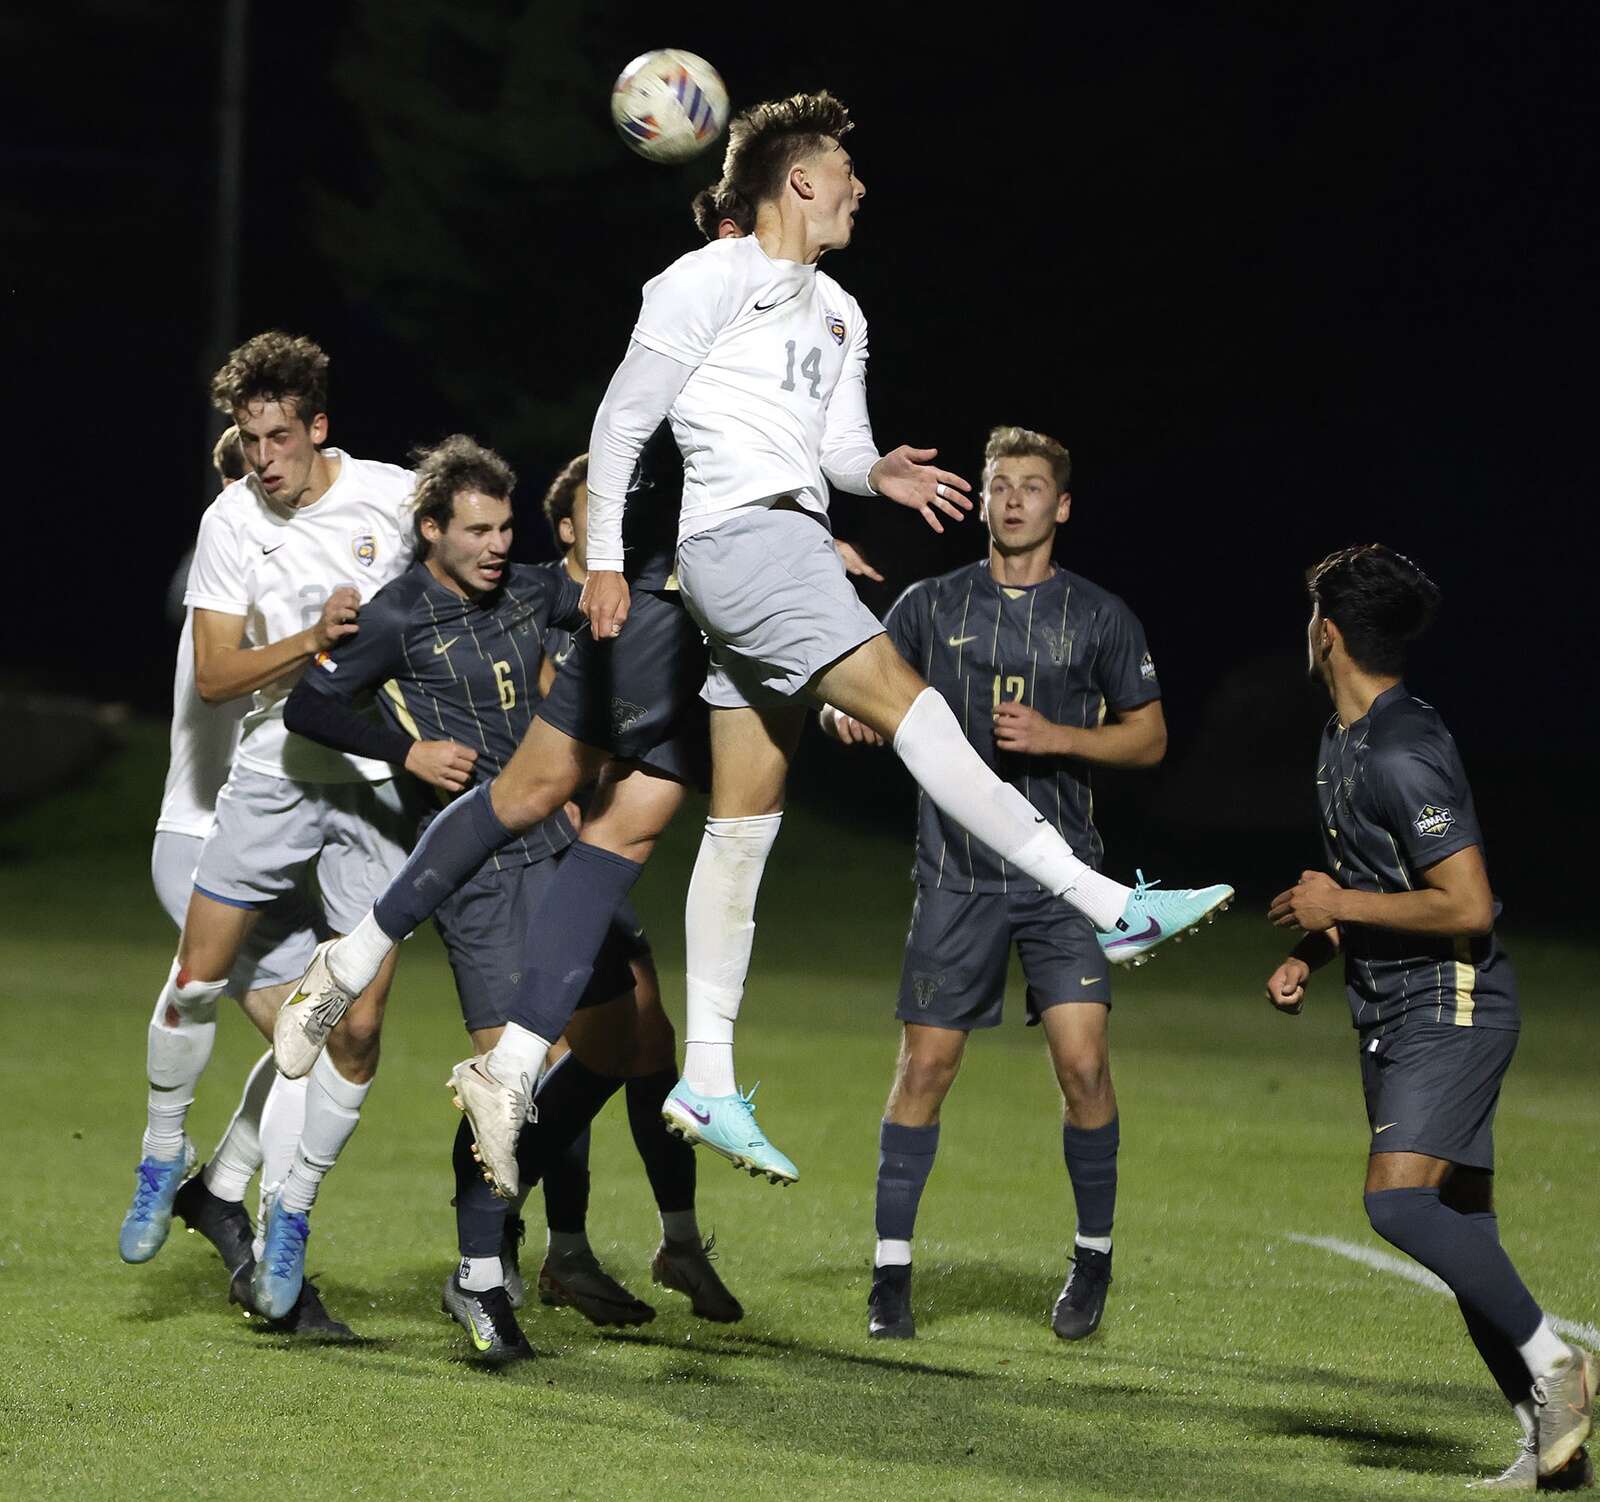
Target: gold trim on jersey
column 1466, row 979
column 402, row 712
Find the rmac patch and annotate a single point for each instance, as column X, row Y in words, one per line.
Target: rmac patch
column 1434, row 821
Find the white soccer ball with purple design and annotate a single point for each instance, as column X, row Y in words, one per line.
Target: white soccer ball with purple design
column 669, row 105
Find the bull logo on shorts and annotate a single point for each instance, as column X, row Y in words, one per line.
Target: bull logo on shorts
column 835, row 326
column 365, row 546
column 926, row 987
column 1059, row 645
column 1434, row 821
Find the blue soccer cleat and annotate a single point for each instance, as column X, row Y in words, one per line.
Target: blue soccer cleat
column 149, row 1217
column 1151, row 917
column 727, row 1125
column 282, row 1268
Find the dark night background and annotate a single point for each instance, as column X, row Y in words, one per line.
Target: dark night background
column 1281, row 278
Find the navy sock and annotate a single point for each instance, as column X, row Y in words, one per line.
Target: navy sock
column 568, row 1099
column 447, row 856
column 905, row 1159
column 1472, row 1263
column 566, row 1187
column 480, row 1212
column 565, row 931
column 1091, row 1154
column 668, row 1160
column 1503, row 1359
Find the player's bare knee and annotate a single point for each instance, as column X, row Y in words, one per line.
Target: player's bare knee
column 1085, row 1083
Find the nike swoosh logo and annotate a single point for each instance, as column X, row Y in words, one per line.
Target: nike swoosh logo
column 1384, row 1128
column 767, row 307
column 703, row 1117
column 445, row 646
column 960, row 641
column 267, row 552
column 1091, row 980
column 1149, row 933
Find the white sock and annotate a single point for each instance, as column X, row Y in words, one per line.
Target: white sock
column 679, row 1226
column 935, row 751
column 517, row 1058
column 356, row 958
column 283, row 1118
column 1544, row 1350
column 1528, row 1416
column 333, row 1107
column 480, row 1274
column 561, row 1242
column 892, row 1254
column 719, row 931
column 178, row 1044
column 238, row 1155
column 1093, row 1243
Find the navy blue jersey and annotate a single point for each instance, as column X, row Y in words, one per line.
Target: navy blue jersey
column 1395, row 800
column 1067, row 648
column 557, row 641
column 445, row 668
column 650, row 522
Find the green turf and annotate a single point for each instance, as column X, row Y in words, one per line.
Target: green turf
column 1232, row 1363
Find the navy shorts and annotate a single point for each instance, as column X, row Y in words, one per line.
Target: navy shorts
column 638, row 696
column 1432, row 1087
column 959, row 949
column 485, row 930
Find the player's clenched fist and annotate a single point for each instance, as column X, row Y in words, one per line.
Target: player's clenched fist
column 1286, row 987
column 444, row 764
column 338, row 618
column 605, row 602
column 848, row 731
column 1021, row 728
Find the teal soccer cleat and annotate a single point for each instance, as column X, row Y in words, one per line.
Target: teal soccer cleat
column 282, row 1268
column 1151, row 917
column 149, row 1217
column 727, row 1125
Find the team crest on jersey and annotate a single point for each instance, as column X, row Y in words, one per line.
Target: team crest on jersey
column 925, row 987
column 1059, row 645
column 835, row 326
column 1434, row 821
column 365, row 546
column 1147, row 668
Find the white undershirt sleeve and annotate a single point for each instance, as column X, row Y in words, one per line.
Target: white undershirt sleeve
column 640, row 395
column 848, row 449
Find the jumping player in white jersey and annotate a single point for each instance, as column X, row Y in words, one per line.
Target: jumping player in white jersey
column 266, row 1125
column 284, row 559
column 758, row 359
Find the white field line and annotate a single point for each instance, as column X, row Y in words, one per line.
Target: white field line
column 1400, row 1267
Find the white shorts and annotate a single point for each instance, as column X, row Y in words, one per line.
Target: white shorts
column 270, row 830
column 774, row 601
column 279, row 946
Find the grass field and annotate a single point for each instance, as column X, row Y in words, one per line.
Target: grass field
column 1234, row 1361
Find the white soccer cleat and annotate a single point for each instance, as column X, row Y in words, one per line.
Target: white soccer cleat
column 308, row 1016
column 1565, row 1401
column 496, row 1113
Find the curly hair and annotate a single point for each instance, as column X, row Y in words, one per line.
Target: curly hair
column 443, row 471
column 710, row 206
column 766, row 140
column 1024, row 443
column 563, row 491
column 227, row 457
column 273, row 367
column 1379, row 599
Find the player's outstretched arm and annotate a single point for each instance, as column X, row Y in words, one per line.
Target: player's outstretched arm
column 908, row 477
column 224, row 668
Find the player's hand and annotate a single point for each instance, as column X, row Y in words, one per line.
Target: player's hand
column 605, row 602
column 443, row 764
column 854, row 563
column 338, row 618
column 908, row 477
column 1286, row 986
column 1308, row 904
column 848, row 731
column 1021, row 728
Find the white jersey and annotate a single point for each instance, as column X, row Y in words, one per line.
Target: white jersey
column 202, row 741
column 277, row 570
column 770, row 342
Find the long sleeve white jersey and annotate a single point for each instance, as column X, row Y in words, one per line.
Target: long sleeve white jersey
column 277, row 570
column 770, row 382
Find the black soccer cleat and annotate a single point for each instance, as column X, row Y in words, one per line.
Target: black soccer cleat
column 511, row 1237
column 889, row 1305
column 489, row 1321
column 309, row 1318
column 1083, row 1297
column 577, row 1280
column 225, row 1224
column 685, row 1266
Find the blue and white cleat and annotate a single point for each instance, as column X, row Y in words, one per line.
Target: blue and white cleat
column 149, row 1218
column 727, row 1125
column 281, row 1270
column 1151, row 917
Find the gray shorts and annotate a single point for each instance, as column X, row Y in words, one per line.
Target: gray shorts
column 774, row 601
column 959, row 950
column 279, row 946
column 270, row 830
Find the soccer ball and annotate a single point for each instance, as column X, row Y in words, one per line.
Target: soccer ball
column 669, row 105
